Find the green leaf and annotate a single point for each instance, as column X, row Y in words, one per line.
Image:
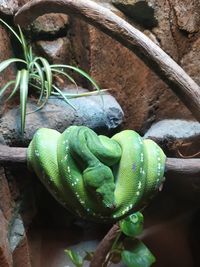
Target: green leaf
column 24, row 44
column 132, row 225
column 41, row 78
column 4, row 64
column 88, row 255
column 65, row 74
column 84, row 94
column 44, row 102
column 77, row 95
column 23, row 96
column 17, row 83
column 48, row 73
column 80, row 71
column 11, row 29
column 75, row 257
column 5, row 87
column 139, row 256
column 30, row 53
column 64, row 97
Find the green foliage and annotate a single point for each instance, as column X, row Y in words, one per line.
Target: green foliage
column 126, row 248
column 39, row 74
column 23, row 94
column 75, row 257
column 132, row 225
column 138, row 256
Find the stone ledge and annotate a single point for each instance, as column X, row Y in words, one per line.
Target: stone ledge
column 102, row 116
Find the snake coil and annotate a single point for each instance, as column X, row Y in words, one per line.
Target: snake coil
column 97, row 177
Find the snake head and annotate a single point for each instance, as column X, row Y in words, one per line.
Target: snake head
column 105, row 193
column 99, row 181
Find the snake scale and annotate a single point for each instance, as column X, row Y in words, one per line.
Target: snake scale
column 96, row 177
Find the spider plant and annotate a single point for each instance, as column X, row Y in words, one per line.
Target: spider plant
column 36, row 72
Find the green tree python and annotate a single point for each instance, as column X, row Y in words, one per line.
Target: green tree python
column 96, row 177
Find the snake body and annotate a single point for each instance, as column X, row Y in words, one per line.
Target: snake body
column 97, row 177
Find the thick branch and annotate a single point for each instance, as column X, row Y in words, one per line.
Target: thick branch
column 179, row 166
column 183, row 166
column 104, row 19
column 12, row 154
column 104, row 246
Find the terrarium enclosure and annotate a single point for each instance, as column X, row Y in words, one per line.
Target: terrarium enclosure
column 110, row 66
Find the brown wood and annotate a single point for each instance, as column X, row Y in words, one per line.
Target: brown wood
column 12, row 154
column 104, row 19
column 104, row 246
column 183, row 166
column 175, row 165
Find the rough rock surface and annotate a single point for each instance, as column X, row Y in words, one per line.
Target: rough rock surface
column 144, row 97
column 187, row 14
column 90, row 111
column 5, row 217
column 5, row 53
column 174, row 128
column 8, row 7
column 6, row 202
column 50, row 25
column 5, row 254
column 141, row 11
column 78, row 33
column 21, row 255
column 190, row 60
column 19, row 245
column 57, row 51
column 178, row 138
column 12, row 233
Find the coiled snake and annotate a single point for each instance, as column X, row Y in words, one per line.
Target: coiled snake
column 97, row 177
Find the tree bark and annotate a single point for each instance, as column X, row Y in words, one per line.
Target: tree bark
column 104, row 246
column 176, row 165
column 104, row 19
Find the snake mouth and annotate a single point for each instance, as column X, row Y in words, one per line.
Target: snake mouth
column 110, row 206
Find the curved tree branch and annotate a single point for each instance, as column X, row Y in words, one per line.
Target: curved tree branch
column 104, row 19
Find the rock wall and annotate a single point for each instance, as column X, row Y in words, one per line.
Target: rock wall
column 143, row 96
column 5, row 52
column 145, row 99
column 174, row 25
column 14, row 250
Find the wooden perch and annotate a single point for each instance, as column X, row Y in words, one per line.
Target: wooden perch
column 104, row 247
column 175, row 165
column 104, row 19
